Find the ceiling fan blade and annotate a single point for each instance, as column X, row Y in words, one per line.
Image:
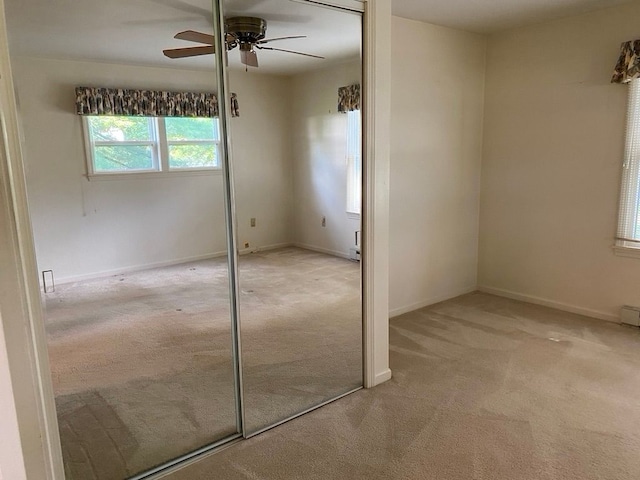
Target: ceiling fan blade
column 288, row 51
column 249, row 58
column 193, row 36
column 280, row 38
column 188, row 52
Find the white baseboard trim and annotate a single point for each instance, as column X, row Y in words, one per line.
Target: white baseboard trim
column 425, row 303
column 135, row 268
column 168, row 263
column 313, row 248
column 266, row 248
column 550, row 303
column 382, row 377
column 275, row 246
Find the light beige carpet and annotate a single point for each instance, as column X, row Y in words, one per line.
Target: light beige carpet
column 142, row 366
column 484, row 388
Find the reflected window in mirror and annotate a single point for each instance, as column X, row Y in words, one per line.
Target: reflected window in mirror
column 127, row 144
column 354, row 162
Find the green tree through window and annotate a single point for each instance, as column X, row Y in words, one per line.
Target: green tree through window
column 190, row 142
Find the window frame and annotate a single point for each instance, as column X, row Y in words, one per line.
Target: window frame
column 160, row 152
column 629, row 204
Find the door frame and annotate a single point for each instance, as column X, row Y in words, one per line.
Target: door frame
column 36, row 451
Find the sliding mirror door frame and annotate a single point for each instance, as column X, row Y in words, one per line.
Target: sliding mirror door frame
column 222, row 78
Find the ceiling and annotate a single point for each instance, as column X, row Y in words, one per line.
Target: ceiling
column 136, row 31
column 488, row 16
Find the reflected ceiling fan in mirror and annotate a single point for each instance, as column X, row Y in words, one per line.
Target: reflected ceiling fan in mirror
column 247, row 33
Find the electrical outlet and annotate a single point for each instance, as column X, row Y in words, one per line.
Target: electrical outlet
column 253, row 222
column 324, row 221
column 48, row 282
column 246, row 244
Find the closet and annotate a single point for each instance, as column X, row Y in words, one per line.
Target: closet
column 197, row 218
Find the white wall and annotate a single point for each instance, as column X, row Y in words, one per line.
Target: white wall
column 261, row 148
column 437, row 93
column 84, row 228
column 319, row 140
column 11, row 465
column 554, row 137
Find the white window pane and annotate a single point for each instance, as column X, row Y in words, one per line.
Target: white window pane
column 122, row 158
column 354, row 164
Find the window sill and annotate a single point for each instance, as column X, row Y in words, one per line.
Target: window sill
column 148, row 175
column 624, row 251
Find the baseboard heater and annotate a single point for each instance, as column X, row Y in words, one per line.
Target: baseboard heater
column 354, row 252
column 630, row 315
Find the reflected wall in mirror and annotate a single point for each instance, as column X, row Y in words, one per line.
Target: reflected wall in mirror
column 297, row 191
column 138, row 323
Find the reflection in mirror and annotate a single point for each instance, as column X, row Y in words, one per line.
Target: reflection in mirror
column 129, row 221
column 297, row 189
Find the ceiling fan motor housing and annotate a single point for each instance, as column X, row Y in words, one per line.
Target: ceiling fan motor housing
column 244, row 31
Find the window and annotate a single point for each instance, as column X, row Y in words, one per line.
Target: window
column 354, row 162
column 121, row 145
column 629, row 216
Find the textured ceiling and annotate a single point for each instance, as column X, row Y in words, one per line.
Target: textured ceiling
column 488, row 16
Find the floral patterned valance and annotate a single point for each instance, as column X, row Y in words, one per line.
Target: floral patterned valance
column 148, row 103
column 349, row 98
column 628, row 66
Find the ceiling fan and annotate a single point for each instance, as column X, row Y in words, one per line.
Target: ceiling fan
column 247, row 33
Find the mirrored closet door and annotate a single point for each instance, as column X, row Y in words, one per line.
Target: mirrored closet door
column 194, row 179
column 296, row 162
column 127, row 198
